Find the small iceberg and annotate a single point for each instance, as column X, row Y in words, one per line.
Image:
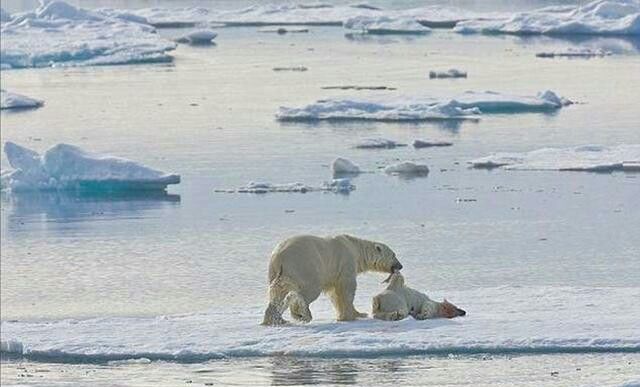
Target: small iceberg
column 291, row 68
column 451, row 73
column 342, row 166
column 199, row 37
column 574, row 53
column 599, row 17
column 407, row 168
column 59, row 34
column 378, row 143
column 466, row 106
column 66, row 167
column 418, row 144
column 9, row 100
column 342, row 185
column 588, row 158
column 383, row 25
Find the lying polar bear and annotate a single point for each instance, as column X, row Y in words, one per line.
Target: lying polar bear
column 304, row 266
column 399, row 301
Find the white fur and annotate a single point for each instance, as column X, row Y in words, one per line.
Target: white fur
column 398, row 301
column 304, row 266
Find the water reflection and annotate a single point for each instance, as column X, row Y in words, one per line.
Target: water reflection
column 291, row 371
column 62, row 207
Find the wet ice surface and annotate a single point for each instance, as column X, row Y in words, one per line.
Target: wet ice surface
column 461, row 232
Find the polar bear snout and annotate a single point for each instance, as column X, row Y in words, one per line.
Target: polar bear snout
column 396, row 266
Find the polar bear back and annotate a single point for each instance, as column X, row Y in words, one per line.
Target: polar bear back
column 314, row 260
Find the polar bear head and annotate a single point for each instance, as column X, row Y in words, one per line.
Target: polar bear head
column 380, row 257
column 448, row 310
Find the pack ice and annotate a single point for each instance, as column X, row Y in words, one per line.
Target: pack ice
column 590, row 158
column 59, row 34
column 9, row 100
column 384, row 25
column 339, row 185
column 468, row 105
column 67, row 167
column 599, row 17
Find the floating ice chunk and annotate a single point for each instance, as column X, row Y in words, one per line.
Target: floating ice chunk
column 66, row 167
column 199, row 37
column 58, row 34
column 342, row 166
column 386, row 108
column 590, row 158
column 384, row 25
column 9, row 100
column 428, row 144
column 292, row 68
column 378, row 143
column 574, row 53
column 357, row 88
column 181, row 17
column 336, row 185
column 451, row 73
column 407, row 168
column 284, row 30
column 599, row 17
column 11, row 347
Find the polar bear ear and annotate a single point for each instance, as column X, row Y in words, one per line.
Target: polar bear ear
column 379, row 248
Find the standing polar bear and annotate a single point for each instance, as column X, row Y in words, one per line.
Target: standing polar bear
column 304, row 266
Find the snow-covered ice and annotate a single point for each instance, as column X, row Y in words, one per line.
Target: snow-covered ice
column 9, row 100
column 599, row 17
column 468, row 105
column 378, row 143
column 67, row 167
column 341, row 166
column 451, row 73
column 198, row 37
column 341, row 185
column 499, row 320
column 407, row 168
column 574, row 53
column 384, row 25
column 428, row 144
column 59, row 34
column 590, row 158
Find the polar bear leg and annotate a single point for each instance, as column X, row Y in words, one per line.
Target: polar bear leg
column 273, row 314
column 342, row 297
column 298, row 307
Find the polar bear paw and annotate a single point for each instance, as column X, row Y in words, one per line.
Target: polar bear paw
column 298, row 307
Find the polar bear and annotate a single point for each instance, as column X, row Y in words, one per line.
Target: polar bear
column 304, row 266
column 399, row 301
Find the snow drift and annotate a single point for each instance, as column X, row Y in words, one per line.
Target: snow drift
column 66, row 167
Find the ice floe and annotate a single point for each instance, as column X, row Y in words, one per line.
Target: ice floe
column 179, row 17
column 67, row 167
column 589, row 158
column 574, row 53
column 384, row 25
column 428, row 144
column 284, row 30
column 451, row 73
column 9, row 100
column 407, row 168
column 540, row 319
column 468, row 105
column 378, row 143
column 291, row 68
column 599, row 17
column 198, row 37
column 341, row 185
column 357, row 88
column 59, row 34
column 341, row 166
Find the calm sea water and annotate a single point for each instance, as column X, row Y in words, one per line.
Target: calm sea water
column 210, row 117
